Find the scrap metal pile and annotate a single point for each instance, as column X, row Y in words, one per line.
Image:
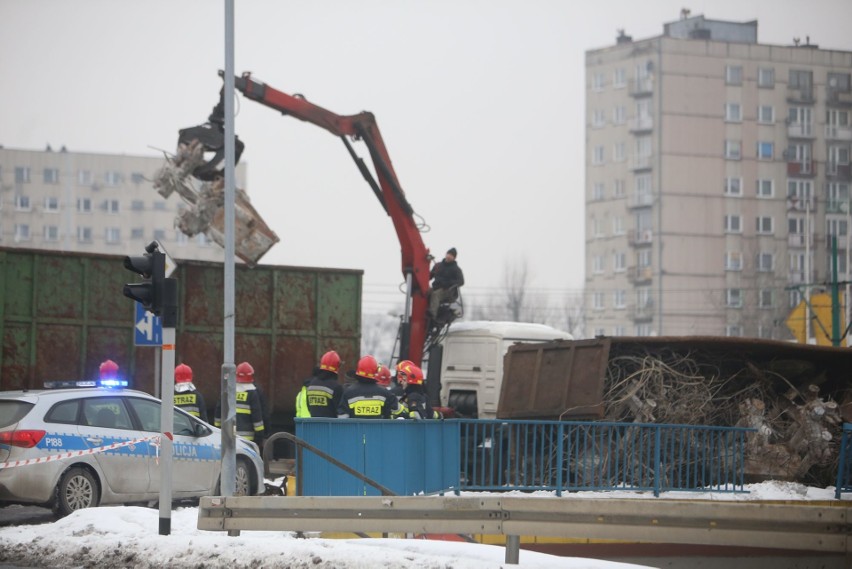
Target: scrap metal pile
column 798, row 425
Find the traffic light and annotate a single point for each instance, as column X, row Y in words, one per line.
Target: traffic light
column 152, row 267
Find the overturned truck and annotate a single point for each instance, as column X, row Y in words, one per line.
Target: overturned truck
column 795, row 396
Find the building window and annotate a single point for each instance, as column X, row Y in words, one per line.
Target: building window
column 838, row 197
column 800, row 194
column 733, row 186
column 733, row 112
column 111, row 206
column 643, row 330
column 733, row 149
column 22, row 203
column 764, row 332
column 137, row 233
column 598, row 81
column 765, row 262
column 51, row 233
column 766, row 77
column 764, row 298
column 84, row 234
column 619, row 115
column 764, row 225
column 765, row 188
column 159, row 235
column 112, row 235
column 643, row 258
column 598, row 118
column 618, row 226
column 112, row 178
column 598, row 228
column 597, row 263
column 22, row 232
column 84, row 205
column 84, row 177
column 598, row 155
column 619, row 299
column 836, row 226
column 598, row 302
column 733, row 261
column 733, row 224
column 619, row 152
column 51, row 175
column 734, row 298
column 765, row 150
column 801, row 79
column 618, row 188
column 51, row 204
column 598, row 191
column 766, row 114
column 137, row 205
column 159, row 206
column 619, row 331
column 734, row 74
column 137, row 178
column 22, row 175
column 619, row 262
column 733, row 330
column 619, row 78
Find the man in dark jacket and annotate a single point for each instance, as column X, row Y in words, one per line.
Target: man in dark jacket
column 365, row 399
column 446, row 277
column 324, row 391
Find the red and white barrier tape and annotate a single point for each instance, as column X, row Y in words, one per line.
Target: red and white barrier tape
column 77, row 453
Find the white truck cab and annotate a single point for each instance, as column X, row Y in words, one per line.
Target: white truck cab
column 471, row 362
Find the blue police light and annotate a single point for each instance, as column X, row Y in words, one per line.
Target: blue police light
column 112, row 383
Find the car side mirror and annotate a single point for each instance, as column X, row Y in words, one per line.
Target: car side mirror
column 202, row 430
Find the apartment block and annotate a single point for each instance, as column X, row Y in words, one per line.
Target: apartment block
column 717, row 180
column 93, row 203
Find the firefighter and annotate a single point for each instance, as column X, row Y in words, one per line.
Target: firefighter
column 324, row 391
column 396, row 386
column 383, row 377
column 365, row 399
column 187, row 397
column 415, row 398
column 251, row 407
column 108, row 370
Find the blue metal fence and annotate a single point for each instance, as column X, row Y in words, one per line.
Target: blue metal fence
column 844, row 466
column 573, row 456
column 411, row 457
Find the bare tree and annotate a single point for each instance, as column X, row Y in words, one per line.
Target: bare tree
column 516, row 279
column 378, row 335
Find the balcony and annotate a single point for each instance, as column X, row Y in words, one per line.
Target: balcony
column 640, row 200
column 640, row 162
column 640, row 275
column 642, row 312
column 796, row 240
column 801, row 168
column 800, row 130
column 641, row 124
column 839, row 98
column 800, row 203
column 640, row 237
column 836, row 206
column 796, row 277
column 642, row 87
column 800, row 95
column 835, row 132
column 838, row 172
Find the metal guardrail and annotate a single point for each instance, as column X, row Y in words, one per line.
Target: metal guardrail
column 572, row 456
column 844, row 466
column 824, row 528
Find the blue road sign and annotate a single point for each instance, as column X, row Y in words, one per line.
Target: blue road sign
column 148, row 328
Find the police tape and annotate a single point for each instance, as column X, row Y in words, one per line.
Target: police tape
column 76, row 453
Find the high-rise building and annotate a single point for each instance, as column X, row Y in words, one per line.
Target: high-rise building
column 717, row 174
column 95, row 203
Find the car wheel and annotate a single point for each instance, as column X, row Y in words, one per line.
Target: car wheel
column 243, row 486
column 77, row 489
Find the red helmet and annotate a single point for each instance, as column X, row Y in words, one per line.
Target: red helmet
column 368, row 368
column 414, row 375
column 245, row 373
column 383, row 377
column 402, row 369
column 108, row 370
column 330, row 361
column 183, row 373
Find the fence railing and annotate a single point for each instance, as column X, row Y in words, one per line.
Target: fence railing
column 844, row 466
column 572, row 456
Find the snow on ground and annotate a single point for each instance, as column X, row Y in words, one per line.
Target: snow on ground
column 112, row 537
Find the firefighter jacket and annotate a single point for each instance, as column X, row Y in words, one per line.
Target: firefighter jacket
column 251, row 413
column 323, row 394
column 188, row 398
column 368, row 400
column 417, row 404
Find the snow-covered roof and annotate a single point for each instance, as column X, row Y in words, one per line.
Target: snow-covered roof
column 508, row 330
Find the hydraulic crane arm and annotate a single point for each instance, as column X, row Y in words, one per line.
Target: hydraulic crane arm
column 363, row 126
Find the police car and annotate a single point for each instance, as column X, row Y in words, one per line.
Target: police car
column 82, row 447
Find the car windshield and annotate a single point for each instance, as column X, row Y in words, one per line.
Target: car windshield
column 13, row 411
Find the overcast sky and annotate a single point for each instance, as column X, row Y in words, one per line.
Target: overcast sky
column 480, row 103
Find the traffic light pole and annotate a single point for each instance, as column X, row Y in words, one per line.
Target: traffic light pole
column 167, row 414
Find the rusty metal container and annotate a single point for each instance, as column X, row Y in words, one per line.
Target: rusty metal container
column 62, row 314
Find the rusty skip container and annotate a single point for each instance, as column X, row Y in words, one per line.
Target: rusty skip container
column 62, row 314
